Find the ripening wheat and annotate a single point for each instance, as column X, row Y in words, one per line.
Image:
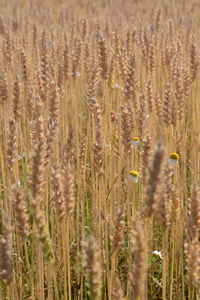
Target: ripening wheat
column 99, row 150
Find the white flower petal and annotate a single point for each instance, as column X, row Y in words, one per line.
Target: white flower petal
column 173, row 162
column 158, row 253
column 135, row 143
column 133, row 178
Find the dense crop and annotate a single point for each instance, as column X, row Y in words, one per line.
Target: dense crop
column 99, row 150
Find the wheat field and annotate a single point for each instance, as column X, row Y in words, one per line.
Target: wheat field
column 99, row 150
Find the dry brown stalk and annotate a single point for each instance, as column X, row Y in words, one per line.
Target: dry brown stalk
column 131, row 84
column 176, row 203
column 7, row 51
column 117, row 292
column 174, row 112
column 119, row 224
column 20, row 210
column 37, row 183
column 86, row 54
column 2, row 26
column 98, row 144
column 116, row 42
column 168, row 53
column 54, row 103
column 130, row 90
column 194, row 61
column 164, row 207
column 34, row 35
column 57, row 188
column 24, row 64
column 145, row 159
column 98, row 153
column 84, row 29
column 17, row 101
column 128, row 42
column 103, row 56
column 11, row 144
column 143, row 45
column 122, row 64
column 95, row 109
column 186, row 84
column 158, row 105
column 179, row 91
column 3, row 89
column 38, row 83
column 60, row 80
column 114, row 117
column 139, row 259
column 157, row 20
column 171, row 29
column 152, row 55
column 30, row 102
column 44, row 64
column 76, row 57
column 37, row 178
column 82, row 149
column 193, row 264
column 167, row 105
column 111, row 72
column 69, row 149
column 92, row 83
column 42, row 229
column 6, row 259
column 68, row 189
column 126, row 131
column 193, row 226
column 149, row 96
column 53, row 121
column 152, row 191
column 92, row 268
column 37, row 133
column 38, row 164
column 142, row 117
